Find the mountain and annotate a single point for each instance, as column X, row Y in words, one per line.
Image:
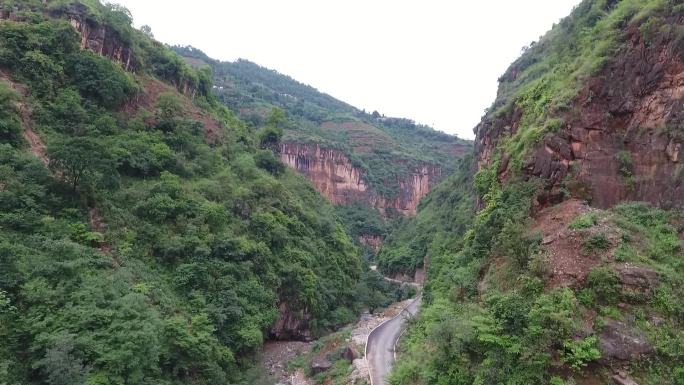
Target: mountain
column 147, row 234
column 353, row 158
column 561, row 262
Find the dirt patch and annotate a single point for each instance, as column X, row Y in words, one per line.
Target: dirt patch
column 276, row 355
column 568, row 260
column 36, row 144
column 147, row 98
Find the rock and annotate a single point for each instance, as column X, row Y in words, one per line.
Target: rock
column 621, row 342
column 350, row 353
column 320, row 365
column 637, row 279
column 656, row 321
column 291, row 324
column 623, row 379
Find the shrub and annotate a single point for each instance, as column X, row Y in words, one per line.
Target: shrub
column 583, row 221
column 578, row 353
column 596, row 242
column 265, row 159
column 604, row 284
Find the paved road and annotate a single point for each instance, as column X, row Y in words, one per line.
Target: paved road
column 381, row 341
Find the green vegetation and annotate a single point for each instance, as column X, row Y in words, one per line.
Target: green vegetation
column 584, row 221
column 480, row 327
column 491, row 315
column 150, row 251
column 385, row 148
column 443, row 214
column 493, row 312
column 596, row 242
column 578, row 353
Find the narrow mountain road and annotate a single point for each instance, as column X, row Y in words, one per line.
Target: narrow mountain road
column 382, row 341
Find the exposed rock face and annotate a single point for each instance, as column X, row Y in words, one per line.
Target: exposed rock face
column 637, row 279
column 623, row 138
column 291, row 325
column 95, row 36
column 621, row 342
column 336, row 178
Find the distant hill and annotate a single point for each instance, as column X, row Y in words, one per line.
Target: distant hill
column 353, row 157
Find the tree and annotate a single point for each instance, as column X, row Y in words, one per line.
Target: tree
column 147, row 31
column 61, row 366
column 9, row 123
column 80, row 161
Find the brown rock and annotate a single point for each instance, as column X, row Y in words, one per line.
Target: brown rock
column 621, row 342
column 291, row 324
column 335, row 177
column 637, row 279
column 350, row 353
column 624, row 109
column 320, row 365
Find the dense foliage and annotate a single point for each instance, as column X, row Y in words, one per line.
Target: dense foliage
column 442, row 215
column 148, row 252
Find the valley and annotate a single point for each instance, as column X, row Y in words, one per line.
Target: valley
column 168, row 218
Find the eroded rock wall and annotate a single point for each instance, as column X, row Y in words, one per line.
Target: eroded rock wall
column 335, row 177
column 623, row 138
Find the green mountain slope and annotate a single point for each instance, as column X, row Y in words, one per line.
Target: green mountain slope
column 147, row 235
column 558, row 278
column 385, row 149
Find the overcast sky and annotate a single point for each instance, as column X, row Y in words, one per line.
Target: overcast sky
column 432, row 61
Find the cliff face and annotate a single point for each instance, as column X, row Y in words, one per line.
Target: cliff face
column 622, row 138
column 335, row 177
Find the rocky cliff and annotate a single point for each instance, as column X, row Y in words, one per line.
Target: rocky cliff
column 621, row 139
column 335, row 177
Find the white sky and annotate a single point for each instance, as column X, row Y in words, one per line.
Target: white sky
column 432, row 61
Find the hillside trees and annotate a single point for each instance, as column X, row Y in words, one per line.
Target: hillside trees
column 200, row 240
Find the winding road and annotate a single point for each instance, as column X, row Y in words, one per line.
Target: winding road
column 382, row 341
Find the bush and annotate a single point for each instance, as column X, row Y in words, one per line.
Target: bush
column 596, row 242
column 97, row 78
column 265, row 159
column 578, row 353
column 583, row 221
column 604, row 284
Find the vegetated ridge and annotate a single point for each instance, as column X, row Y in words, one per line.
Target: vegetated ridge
column 559, row 277
column 361, row 160
column 147, row 234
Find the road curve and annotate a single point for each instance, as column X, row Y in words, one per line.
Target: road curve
column 381, row 343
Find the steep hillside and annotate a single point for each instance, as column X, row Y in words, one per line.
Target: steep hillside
column 558, row 278
column 147, row 235
column 350, row 156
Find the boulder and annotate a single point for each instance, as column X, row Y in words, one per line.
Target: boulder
column 349, row 353
column 637, row 279
column 621, row 378
column 320, row 365
column 620, row 342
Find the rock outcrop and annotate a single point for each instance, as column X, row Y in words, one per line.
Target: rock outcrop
column 291, row 324
column 621, row 342
column 621, row 140
column 335, row 177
